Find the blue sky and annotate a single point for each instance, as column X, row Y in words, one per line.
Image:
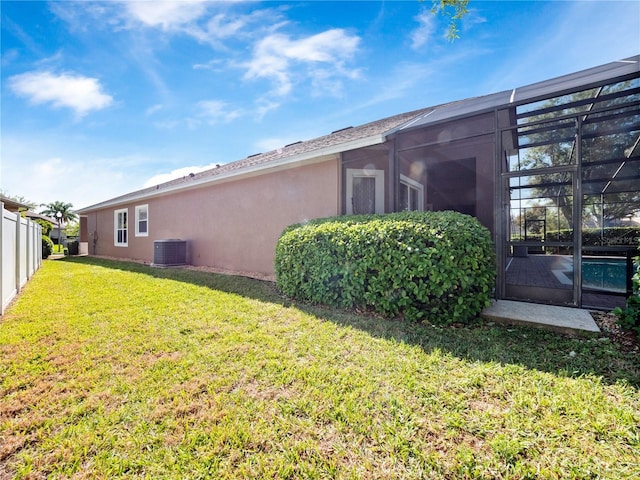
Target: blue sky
column 103, row 98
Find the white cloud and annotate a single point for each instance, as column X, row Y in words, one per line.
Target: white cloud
column 208, row 112
column 166, row 15
column 79, row 93
column 177, row 173
column 44, row 179
column 222, row 26
column 276, row 55
column 74, row 168
column 153, row 109
column 264, row 106
column 329, row 46
column 215, row 65
column 423, row 33
column 214, row 111
column 9, row 56
column 81, row 16
column 205, row 21
column 471, row 19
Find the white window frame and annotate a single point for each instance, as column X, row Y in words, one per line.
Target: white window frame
column 116, row 230
column 140, row 208
column 412, row 184
column 379, row 186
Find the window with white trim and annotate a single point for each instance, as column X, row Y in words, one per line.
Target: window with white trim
column 365, row 191
column 410, row 195
column 142, row 220
column 120, row 219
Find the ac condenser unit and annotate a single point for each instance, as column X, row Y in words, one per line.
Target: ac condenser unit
column 169, row 253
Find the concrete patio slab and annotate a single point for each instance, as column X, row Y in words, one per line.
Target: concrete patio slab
column 561, row 319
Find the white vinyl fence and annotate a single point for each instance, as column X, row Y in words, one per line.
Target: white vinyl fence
column 21, row 241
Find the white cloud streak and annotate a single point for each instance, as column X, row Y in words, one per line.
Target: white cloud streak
column 276, row 55
column 195, row 19
column 166, row 15
column 421, row 35
column 47, row 171
column 79, row 93
column 320, row 62
column 214, row 111
column 153, row 109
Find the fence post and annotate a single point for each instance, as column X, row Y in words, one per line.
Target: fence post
column 18, row 250
column 39, row 244
column 29, row 248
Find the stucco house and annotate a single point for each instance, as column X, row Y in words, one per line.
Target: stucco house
column 530, row 163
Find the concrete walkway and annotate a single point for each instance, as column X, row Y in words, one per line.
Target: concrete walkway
column 561, row 319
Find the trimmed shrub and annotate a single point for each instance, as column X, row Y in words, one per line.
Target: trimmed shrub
column 47, row 246
column 434, row 266
column 595, row 237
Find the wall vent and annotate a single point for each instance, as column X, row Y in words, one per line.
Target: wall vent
column 169, row 253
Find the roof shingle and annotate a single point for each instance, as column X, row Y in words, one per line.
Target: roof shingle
column 335, row 139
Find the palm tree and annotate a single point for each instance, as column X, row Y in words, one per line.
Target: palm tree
column 64, row 208
column 61, row 211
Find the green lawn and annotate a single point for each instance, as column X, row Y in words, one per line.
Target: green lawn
column 114, row 370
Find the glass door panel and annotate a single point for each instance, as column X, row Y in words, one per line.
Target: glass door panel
column 540, row 265
column 611, row 209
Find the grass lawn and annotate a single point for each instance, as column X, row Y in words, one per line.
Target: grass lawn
column 112, row 369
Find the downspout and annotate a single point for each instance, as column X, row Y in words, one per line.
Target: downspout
column 94, row 236
column 502, row 202
column 339, row 209
column 394, row 176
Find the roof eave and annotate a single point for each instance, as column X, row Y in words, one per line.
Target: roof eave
column 286, row 162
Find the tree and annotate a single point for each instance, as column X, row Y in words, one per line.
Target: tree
column 19, row 199
column 46, row 226
column 610, row 165
column 53, row 208
column 73, row 229
column 455, row 9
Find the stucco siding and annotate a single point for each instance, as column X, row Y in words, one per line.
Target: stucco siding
column 234, row 225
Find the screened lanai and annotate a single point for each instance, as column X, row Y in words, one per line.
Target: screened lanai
column 552, row 169
column 570, row 182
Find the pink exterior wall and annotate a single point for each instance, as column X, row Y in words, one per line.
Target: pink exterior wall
column 233, row 225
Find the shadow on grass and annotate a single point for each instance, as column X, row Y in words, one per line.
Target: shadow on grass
column 530, row 347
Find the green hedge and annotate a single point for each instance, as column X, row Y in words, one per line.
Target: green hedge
column 47, row 246
column 629, row 316
column 434, row 266
column 596, row 237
